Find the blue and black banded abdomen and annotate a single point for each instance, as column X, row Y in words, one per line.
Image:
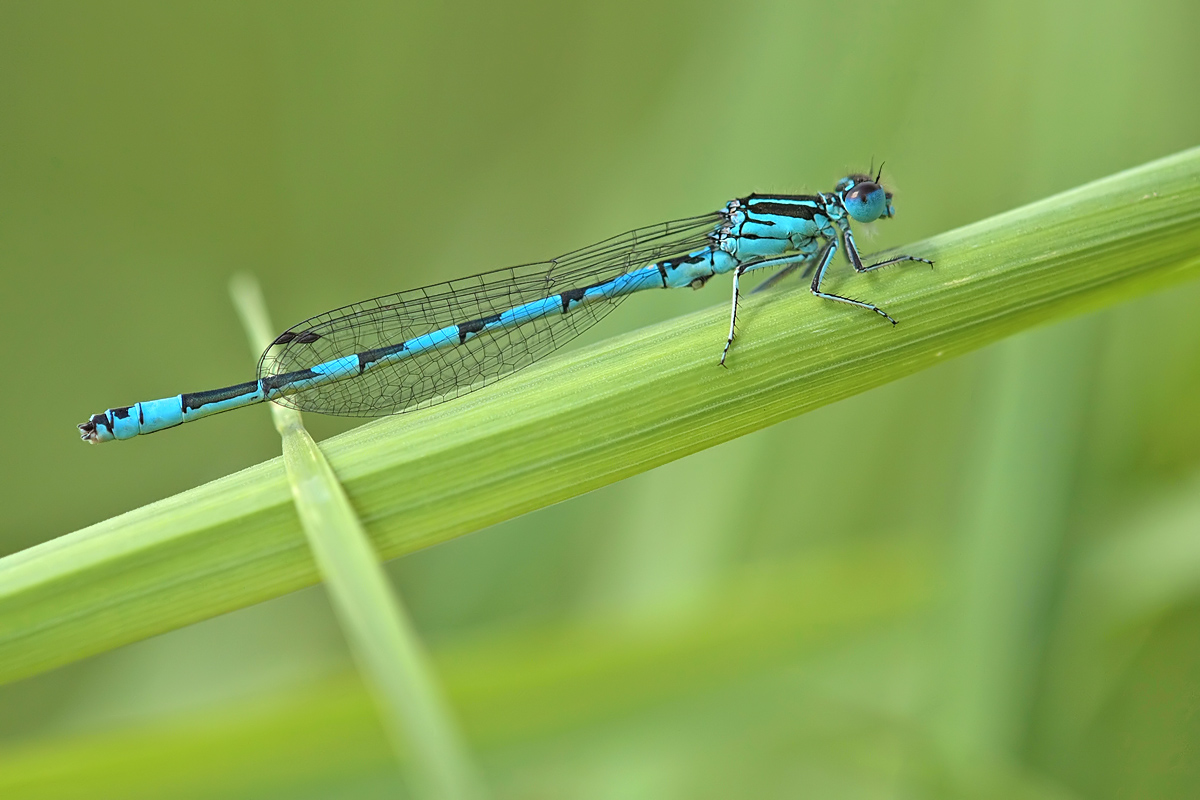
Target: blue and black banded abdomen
column 694, row 269
column 416, row 348
column 408, row 351
column 155, row 415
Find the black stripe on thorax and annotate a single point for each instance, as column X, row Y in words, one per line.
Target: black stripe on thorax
column 754, row 199
column 792, row 210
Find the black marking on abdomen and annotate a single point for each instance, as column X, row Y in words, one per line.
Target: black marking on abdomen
column 474, row 326
column 120, row 413
column 368, row 357
column 674, row 263
column 572, row 296
column 273, row 382
column 195, row 400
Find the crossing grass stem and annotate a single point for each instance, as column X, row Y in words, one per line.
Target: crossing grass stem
column 376, row 624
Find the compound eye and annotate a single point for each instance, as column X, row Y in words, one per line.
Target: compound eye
column 862, row 191
column 866, row 201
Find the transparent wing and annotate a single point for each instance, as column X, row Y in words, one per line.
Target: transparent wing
column 432, row 376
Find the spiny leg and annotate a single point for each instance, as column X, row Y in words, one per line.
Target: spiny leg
column 794, row 260
column 856, row 262
column 737, row 273
column 823, row 260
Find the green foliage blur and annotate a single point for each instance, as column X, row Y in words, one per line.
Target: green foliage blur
column 980, row 581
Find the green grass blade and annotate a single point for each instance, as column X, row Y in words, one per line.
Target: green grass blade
column 1119, row 588
column 570, row 684
column 587, row 419
column 1011, row 538
column 375, row 623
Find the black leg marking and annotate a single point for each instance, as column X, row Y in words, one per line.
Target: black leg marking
column 896, row 260
column 856, row 261
column 737, row 273
column 790, row 262
column 823, row 260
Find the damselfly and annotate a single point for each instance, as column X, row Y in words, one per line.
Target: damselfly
column 416, row 348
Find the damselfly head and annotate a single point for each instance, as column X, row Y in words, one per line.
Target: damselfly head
column 863, row 198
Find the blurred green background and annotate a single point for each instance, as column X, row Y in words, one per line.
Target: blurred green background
column 980, row 581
